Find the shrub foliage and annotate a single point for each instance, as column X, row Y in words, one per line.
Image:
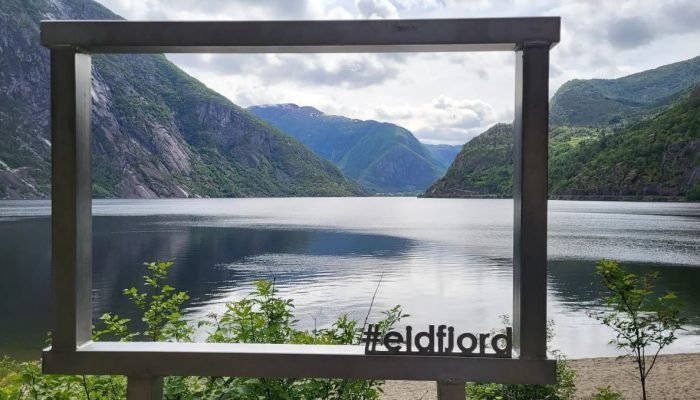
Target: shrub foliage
column 261, row 317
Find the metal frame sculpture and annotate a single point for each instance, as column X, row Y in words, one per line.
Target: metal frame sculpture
column 71, row 44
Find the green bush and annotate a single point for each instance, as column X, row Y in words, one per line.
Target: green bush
column 563, row 389
column 261, row 317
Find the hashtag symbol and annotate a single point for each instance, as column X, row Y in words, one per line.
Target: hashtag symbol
column 370, row 338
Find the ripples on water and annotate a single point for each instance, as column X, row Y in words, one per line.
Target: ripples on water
column 444, row 261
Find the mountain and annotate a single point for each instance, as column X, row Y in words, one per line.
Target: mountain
column 600, row 102
column 157, row 132
column 382, row 157
column 483, row 168
column 656, row 158
column 444, row 153
column 648, row 153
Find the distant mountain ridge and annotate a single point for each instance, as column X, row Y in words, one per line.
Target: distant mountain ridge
column 633, row 138
column 444, row 153
column 157, row 132
column 383, row 157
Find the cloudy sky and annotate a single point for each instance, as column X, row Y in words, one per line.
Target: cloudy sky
column 441, row 97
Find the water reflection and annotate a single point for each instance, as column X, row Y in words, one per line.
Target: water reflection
column 24, row 285
column 574, row 283
column 444, row 261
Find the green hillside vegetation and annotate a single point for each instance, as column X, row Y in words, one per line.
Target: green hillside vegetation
column 383, row 157
column 482, row 169
column 603, row 102
column 656, row 158
column 602, row 144
column 157, row 132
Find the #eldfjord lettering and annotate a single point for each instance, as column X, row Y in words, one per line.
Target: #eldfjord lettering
column 442, row 341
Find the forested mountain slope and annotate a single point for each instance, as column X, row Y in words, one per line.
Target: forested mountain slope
column 157, row 132
column 383, row 157
column 482, row 169
column 657, row 158
column 602, row 102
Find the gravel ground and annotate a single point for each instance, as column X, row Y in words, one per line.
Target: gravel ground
column 675, row 376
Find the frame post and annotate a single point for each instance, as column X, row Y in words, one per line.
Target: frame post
column 144, row 388
column 451, row 390
column 530, row 200
column 71, row 198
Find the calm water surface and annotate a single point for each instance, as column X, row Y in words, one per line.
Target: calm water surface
column 444, row 261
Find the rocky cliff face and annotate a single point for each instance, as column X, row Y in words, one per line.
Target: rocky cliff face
column 24, row 104
column 156, row 131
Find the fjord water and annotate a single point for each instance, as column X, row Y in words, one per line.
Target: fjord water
column 444, row 260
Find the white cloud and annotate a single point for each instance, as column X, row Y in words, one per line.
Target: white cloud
column 339, row 12
column 443, row 119
column 216, row 9
column 630, row 32
column 376, row 9
column 600, row 39
column 350, row 71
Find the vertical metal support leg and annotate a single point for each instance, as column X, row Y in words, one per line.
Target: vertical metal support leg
column 144, row 388
column 450, row 390
column 530, row 200
column 71, row 198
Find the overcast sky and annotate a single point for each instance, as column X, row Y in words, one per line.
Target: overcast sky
column 441, row 97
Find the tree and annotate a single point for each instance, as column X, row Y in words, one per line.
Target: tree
column 642, row 322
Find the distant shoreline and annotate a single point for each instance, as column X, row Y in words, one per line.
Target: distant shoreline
column 641, row 199
column 638, row 199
